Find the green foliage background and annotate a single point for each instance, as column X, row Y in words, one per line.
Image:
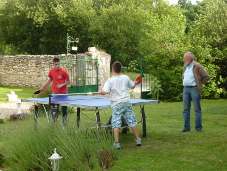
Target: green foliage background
column 150, row 31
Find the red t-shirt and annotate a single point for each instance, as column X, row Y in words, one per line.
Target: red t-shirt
column 58, row 76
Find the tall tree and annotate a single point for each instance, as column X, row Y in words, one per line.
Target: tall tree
column 209, row 39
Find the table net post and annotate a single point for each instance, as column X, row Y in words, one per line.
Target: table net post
column 98, row 119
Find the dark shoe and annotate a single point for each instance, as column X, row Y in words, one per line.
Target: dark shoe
column 198, row 129
column 186, row 130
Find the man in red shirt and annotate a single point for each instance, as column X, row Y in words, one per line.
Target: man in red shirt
column 59, row 79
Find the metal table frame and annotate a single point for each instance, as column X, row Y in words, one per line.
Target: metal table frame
column 97, row 111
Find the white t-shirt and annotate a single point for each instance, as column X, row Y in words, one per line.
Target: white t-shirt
column 189, row 78
column 118, row 88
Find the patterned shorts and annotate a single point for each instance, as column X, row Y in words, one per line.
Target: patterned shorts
column 123, row 110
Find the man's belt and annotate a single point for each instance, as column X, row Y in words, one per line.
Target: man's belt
column 190, row 86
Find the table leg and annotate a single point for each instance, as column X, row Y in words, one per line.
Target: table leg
column 144, row 125
column 36, row 115
column 54, row 112
column 50, row 107
column 124, row 125
column 78, row 117
column 47, row 115
column 109, row 121
column 98, row 119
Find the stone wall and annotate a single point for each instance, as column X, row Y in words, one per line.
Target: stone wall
column 24, row 70
column 32, row 70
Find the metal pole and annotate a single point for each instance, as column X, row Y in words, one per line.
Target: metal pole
column 78, row 117
column 97, row 74
column 144, row 125
column 141, row 72
column 67, row 43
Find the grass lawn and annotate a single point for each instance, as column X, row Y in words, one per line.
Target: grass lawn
column 21, row 92
column 165, row 148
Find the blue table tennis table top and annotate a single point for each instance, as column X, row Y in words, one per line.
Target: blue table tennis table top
column 85, row 101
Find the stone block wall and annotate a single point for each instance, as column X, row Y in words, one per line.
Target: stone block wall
column 32, row 70
column 24, row 70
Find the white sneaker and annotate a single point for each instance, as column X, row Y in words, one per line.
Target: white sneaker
column 138, row 142
column 117, row 146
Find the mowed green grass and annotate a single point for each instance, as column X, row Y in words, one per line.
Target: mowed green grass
column 21, row 92
column 165, row 147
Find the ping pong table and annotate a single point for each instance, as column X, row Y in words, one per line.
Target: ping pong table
column 96, row 103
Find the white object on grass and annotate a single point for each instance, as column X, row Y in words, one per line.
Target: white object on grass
column 74, row 48
column 12, row 97
column 55, row 158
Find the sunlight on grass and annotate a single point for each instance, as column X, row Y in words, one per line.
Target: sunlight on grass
column 21, row 92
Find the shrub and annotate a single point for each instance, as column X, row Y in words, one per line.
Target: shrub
column 81, row 150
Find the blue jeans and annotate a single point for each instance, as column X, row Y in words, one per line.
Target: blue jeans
column 55, row 111
column 192, row 94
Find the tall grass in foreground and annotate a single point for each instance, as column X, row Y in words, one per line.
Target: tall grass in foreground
column 81, row 150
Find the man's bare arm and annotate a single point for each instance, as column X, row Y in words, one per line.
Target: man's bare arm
column 135, row 84
column 46, row 85
column 137, row 81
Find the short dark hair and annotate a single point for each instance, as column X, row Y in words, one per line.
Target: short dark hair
column 116, row 67
column 56, row 59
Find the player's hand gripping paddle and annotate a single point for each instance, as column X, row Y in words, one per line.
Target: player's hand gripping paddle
column 139, row 79
column 37, row 92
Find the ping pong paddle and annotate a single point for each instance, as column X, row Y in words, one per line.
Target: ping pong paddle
column 37, row 92
column 138, row 79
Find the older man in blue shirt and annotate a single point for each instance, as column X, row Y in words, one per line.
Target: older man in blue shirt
column 194, row 77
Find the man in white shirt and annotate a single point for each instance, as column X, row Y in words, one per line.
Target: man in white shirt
column 118, row 87
column 194, row 76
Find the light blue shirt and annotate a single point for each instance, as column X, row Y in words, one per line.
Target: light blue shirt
column 189, row 78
